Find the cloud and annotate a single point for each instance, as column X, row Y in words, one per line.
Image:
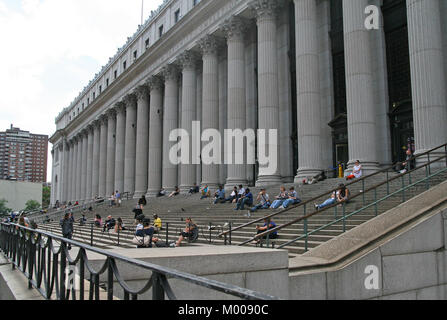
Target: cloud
column 51, row 49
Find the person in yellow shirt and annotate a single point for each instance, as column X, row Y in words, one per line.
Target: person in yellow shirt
column 157, row 223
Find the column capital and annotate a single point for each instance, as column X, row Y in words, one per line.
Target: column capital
column 141, row 92
column 210, row 44
column 154, row 83
column 84, row 133
column 170, row 72
column 265, row 9
column 103, row 119
column 111, row 114
column 234, row 27
column 120, row 107
column 130, row 100
column 188, row 60
column 95, row 123
column 90, row 128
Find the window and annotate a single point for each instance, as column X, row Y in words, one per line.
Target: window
column 115, row 74
column 177, row 16
column 135, row 55
column 160, row 31
column 107, row 82
column 194, row 2
column 100, row 89
column 147, row 43
column 124, row 65
column 83, row 106
column 88, row 101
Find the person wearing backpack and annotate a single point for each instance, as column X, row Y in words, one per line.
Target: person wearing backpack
column 67, row 228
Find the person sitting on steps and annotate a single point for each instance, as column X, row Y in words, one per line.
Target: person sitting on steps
column 264, row 202
column 187, row 233
column 268, row 225
column 293, row 199
column 174, row 193
column 357, row 171
column 280, row 198
column 246, row 199
column 219, row 195
column 206, row 192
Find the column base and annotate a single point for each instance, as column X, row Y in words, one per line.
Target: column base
column 368, row 167
column 152, row 193
column 266, row 181
column 232, row 182
column 304, row 173
column 289, row 179
column 138, row 194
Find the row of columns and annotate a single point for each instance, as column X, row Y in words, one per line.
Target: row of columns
column 128, row 148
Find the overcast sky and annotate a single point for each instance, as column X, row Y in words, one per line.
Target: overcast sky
column 51, row 49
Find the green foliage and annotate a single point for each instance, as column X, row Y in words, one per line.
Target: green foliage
column 32, row 205
column 46, row 194
column 3, row 209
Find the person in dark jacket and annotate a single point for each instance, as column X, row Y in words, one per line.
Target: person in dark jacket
column 67, row 228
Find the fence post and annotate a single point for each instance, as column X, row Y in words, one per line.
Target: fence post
column 231, row 227
column 344, row 217
column 158, row 292
column 403, row 188
column 167, row 233
column 307, row 236
column 91, row 235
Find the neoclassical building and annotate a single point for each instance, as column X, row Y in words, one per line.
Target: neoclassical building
column 335, row 91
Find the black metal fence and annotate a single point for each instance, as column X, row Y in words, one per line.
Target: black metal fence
column 45, row 260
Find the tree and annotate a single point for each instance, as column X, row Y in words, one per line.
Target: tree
column 46, row 195
column 3, row 209
column 32, row 205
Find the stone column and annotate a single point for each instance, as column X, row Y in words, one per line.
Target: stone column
column 234, row 29
column 189, row 88
column 120, row 151
column 170, row 122
column 268, row 85
column 308, row 89
column 251, row 117
column 89, row 193
column 66, row 181
column 210, row 107
column 223, row 108
column 130, row 147
column 142, row 141
column 79, row 167
column 199, row 100
column 359, row 87
column 427, row 74
column 83, row 195
column 155, row 136
column 71, row 180
column 285, row 97
column 95, row 163
column 103, row 157
column 111, row 146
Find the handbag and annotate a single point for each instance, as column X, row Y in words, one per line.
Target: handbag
column 140, row 241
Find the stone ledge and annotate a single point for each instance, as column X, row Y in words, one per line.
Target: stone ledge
column 351, row 245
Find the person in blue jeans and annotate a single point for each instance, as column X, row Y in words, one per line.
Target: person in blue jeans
column 328, row 202
column 264, row 201
column 293, row 199
column 219, row 195
column 206, row 193
column 246, row 199
column 283, row 196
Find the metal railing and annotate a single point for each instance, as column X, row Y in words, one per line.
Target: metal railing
column 362, row 182
column 401, row 191
column 49, row 269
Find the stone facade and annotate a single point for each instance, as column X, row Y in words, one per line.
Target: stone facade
column 247, row 64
